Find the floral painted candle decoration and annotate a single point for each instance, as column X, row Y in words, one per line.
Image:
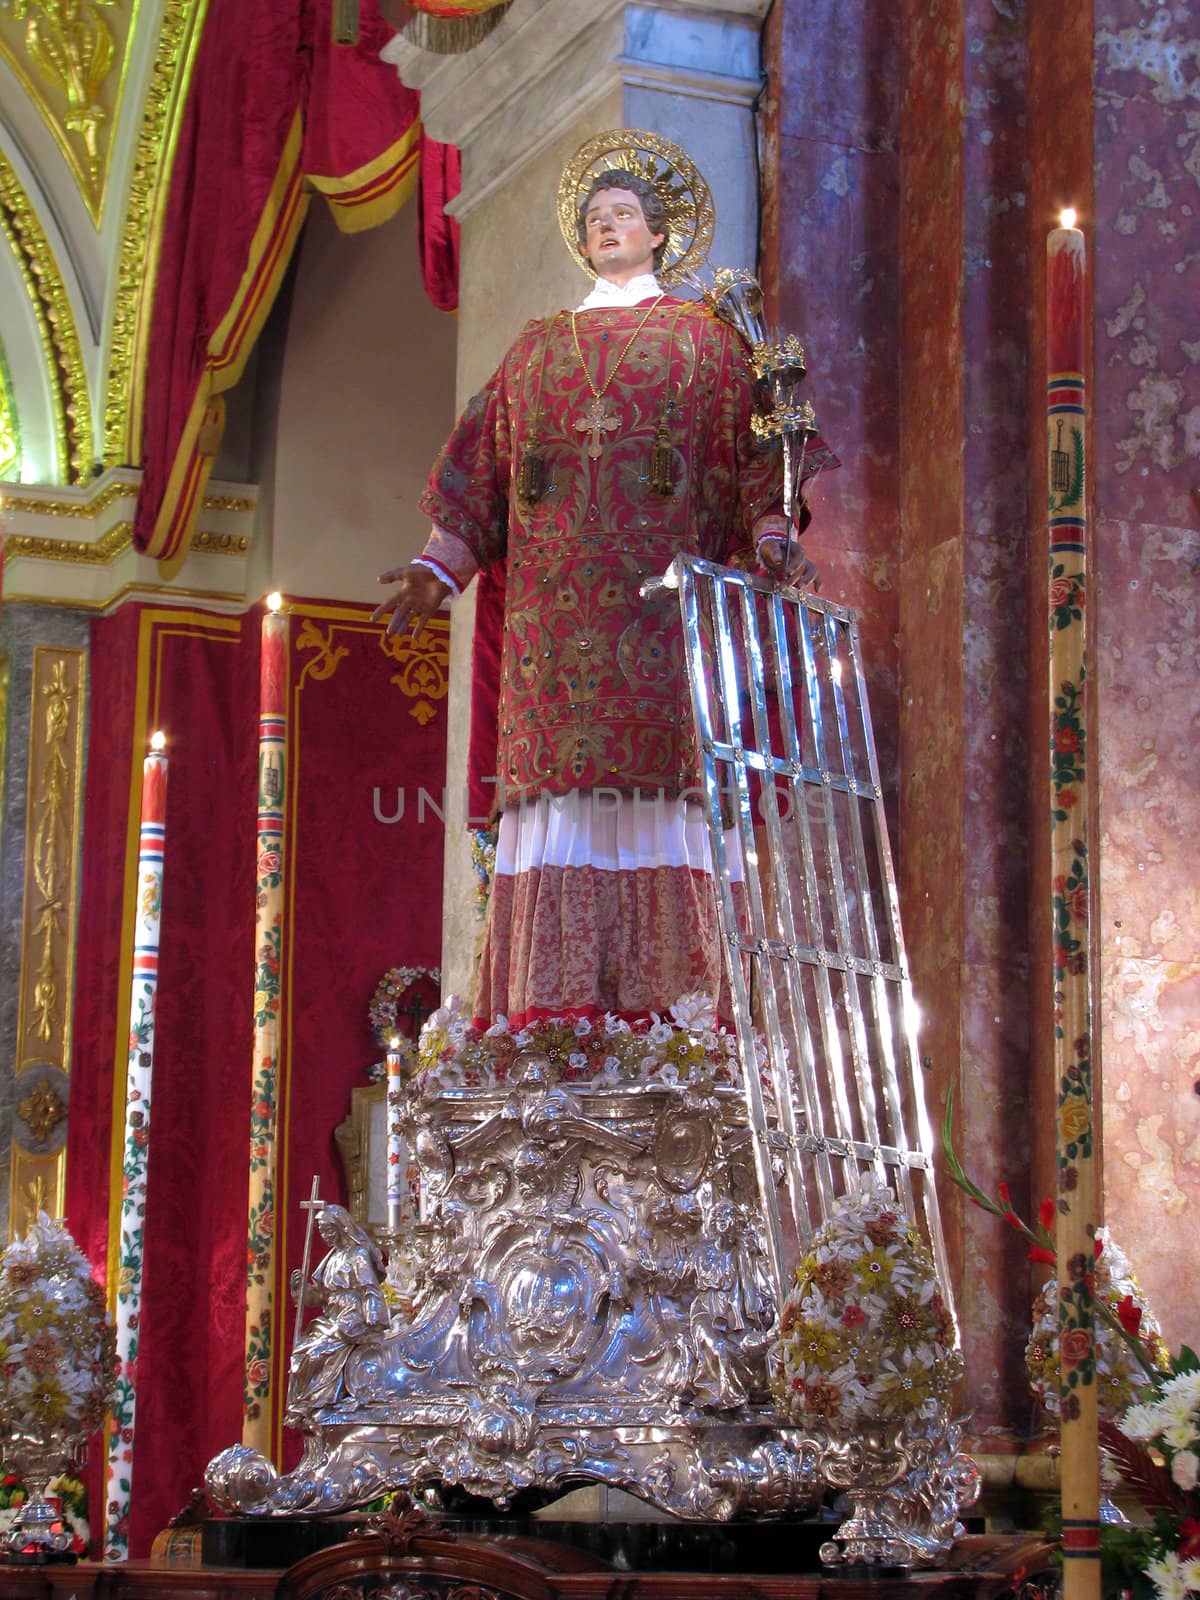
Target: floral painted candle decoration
column 136, row 1146
column 264, row 1068
column 1076, row 1142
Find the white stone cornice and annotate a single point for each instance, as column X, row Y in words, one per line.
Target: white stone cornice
column 74, row 546
column 548, row 61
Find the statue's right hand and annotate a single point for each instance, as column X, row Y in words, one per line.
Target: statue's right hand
column 418, row 595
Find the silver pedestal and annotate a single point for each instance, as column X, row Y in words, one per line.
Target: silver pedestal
column 590, row 1301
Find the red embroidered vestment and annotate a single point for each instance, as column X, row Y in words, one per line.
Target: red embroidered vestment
column 593, row 688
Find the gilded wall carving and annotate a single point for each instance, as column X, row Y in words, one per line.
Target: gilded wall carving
column 178, row 37
column 70, row 56
column 20, row 227
column 48, row 926
column 10, row 428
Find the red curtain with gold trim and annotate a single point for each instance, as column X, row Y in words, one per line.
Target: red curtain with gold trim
column 275, row 111
column 367, row 714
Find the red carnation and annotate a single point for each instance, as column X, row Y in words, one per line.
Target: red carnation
column 1129, row 1315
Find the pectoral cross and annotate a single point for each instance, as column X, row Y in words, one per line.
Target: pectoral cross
column 595, row 420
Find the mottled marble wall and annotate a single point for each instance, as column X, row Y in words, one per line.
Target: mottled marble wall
column 831, row 203
column 896, row 242
column 930, row 395
column 1146, row 467
column 906, row 239
column 994, row 1007
column 963, row 631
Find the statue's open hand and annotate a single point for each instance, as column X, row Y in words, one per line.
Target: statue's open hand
column 418, row 595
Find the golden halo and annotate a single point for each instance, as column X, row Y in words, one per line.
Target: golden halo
column 686, row 197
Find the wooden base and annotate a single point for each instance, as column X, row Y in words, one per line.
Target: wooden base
column 984, row 1567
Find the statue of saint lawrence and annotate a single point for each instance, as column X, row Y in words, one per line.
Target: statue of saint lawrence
column 611, row 437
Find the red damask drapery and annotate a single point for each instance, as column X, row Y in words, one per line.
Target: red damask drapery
column 275, row 112
column 368, row 721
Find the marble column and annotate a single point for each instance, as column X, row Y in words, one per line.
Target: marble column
column 895, row 244
column 554, row 73
column 1146, row 381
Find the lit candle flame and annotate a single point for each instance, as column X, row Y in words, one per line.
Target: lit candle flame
column 275, row 601
column 1067, row 217
column 394, row 1042
column 158, row 740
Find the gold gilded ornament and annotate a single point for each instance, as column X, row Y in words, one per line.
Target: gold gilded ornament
column 72, row 47
column 686, row 197
column 49, row 919
column 41, row 1111
column 141, row 238
column 72, row 409
column 454, row 35
column 10, row 429
column 79, row 552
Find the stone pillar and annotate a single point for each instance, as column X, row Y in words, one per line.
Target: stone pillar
column 519, row 105
column 964, row 788
column 896, row 247
column 1144, row 239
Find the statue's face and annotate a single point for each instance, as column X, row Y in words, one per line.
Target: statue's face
column 619, row 244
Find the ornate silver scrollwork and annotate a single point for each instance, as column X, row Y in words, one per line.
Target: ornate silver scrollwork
column 907, row 1485
column 589, row 1299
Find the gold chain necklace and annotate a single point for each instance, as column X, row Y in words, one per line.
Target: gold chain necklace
column 598, row 419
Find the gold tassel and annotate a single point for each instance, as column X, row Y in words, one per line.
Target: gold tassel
column 531, row 476
column 346, row 20
column 662, row 463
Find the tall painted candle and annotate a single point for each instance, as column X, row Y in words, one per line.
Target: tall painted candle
column 397, row 1145
column 264, row 1066
column 136, row 1164
column 1076, row 1151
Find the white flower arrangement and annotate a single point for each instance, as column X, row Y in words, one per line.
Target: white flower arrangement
column 1167, row 1428
column 865, row 1335
column 1174, row 1578
column 685, row 1046
column 57, row 1345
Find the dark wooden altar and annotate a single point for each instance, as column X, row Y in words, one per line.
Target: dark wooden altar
column 402, row 1560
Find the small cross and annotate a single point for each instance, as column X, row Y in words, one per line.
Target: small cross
column 594, row 419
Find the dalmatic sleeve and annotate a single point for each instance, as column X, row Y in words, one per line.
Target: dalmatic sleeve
column 467, row 491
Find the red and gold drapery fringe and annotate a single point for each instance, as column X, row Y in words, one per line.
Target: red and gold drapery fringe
column 457, row 8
